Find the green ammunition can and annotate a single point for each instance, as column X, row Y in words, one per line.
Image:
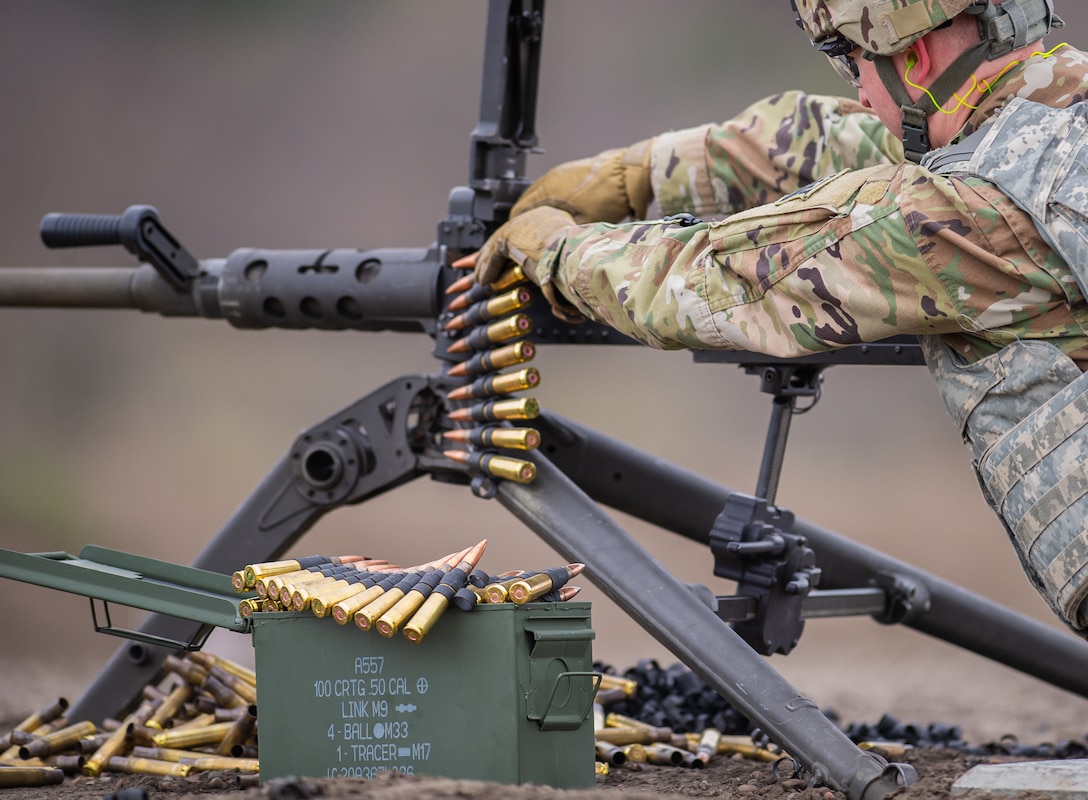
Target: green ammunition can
column 502, row 693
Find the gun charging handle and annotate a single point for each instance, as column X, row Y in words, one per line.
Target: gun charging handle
column 139, row 230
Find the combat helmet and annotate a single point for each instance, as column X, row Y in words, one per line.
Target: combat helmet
column 882, row 28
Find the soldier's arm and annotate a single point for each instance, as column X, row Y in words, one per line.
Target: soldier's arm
column 866, row 255
column 771, row 149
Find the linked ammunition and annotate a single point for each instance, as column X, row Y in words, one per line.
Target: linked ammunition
column 462, row 284
column 57, row 740
column 366, row 616
column 499, row 591
column 503, row 330
column 514, row 276
column 492, row 308
column 497, row 436
column 512, row 469
column 390, row 622
column 467, row 598
column 30, row 776
column 498, row 410
column 498, row 384
column 536, row 586
column 249, row 607
column 252, row 572
column 609, row 753
column 344, row 611
column 149, row 766
column 442, row 595
column 568, row 593
column 493, row 360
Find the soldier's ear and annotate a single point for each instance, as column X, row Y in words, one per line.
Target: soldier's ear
column 916, row 63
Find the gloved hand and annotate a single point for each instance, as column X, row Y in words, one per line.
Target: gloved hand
column 523, row 241
column 606, row 188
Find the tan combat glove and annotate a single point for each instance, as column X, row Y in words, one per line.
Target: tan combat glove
column 606, row 188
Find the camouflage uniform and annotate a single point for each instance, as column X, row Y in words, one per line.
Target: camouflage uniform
column 868, row 248
column 880, row 247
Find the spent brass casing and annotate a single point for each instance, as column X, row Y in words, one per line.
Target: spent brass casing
column 625, row 735
column 149, row 766
column 57, row 740
column 636, row 753
column 41, row 717
column 165, row 753
column 495, row 359
column 600, row 767
column 193, row 673
column 491, row 308
column 208, row 660
column 503, row 330
column 241, row 687
column 609, row 753
column 663, row 754
column 201, row 720
column 223, row 694
column 708, row 745
column 609, row 696
column 193, row 737
column 496, row 436
column 241, row 729
column 170, row 706
column 598, row 716
column 30, row 776
column 889, row 750
column 495, row 465
column 493, row 385
column 69, row 764
column 16, row 738
column 498, row 410
column 116, row 741
column 628, row 686
column 205, row 763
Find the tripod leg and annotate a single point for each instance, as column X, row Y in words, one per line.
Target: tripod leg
column 564, row 517
column 622, row 477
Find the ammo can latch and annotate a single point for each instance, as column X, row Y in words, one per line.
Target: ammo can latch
column 557, row 697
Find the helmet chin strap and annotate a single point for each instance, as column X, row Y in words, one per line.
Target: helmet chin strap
column 1003, row 29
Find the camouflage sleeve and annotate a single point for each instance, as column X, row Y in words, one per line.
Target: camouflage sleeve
column 771, row 149
column 858, row 257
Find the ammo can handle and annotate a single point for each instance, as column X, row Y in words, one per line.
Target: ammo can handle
column 566, row 721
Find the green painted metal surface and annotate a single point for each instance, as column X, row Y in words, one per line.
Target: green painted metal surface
column 501, row 694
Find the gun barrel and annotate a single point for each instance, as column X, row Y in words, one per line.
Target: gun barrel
column 395, row 289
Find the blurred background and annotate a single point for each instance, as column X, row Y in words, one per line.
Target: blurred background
column 345, row 124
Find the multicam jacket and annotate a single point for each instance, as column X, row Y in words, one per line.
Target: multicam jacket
column 830, row 238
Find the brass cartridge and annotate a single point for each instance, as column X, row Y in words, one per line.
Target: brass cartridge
column 206, row 762
column 165, row 753
column 497, row 332
column 491, row 308
column 201, row 720
column 30, row 776
column 149, row 766
column 170, row 706
column 628, row 686
column 16, row 738
column 533, row 587
column 498, row 410
column 57, row 740
column 624, row 735
column 514, row 276
column 502, row 383
column 243, row 688
column 496, row 436
column 344, row 611
column 609, row 753
column 113, row 745
column 193, row 673
column 193, row 737
column 499, row 592
column 495, row 359
column 241, row 729
column 249, row 607
column 367, row 616
column 425, row 618
column 664, row 755
column 70, row 764
column 223, row 694
column 39, row 718
column 321, row 603
column 636, row 753
column 503, row 467
column 208, row 660
column 708, row 745
column 253, row 572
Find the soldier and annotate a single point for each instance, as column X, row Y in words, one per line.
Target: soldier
column 842, row 221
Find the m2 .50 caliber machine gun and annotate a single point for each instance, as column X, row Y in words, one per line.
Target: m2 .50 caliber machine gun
column 786, row 569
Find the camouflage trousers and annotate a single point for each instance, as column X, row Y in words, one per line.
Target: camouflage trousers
column 1024, row 411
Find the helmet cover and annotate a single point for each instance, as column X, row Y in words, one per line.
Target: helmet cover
column 877, row 26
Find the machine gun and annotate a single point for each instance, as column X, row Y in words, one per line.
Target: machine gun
column 787, row 570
